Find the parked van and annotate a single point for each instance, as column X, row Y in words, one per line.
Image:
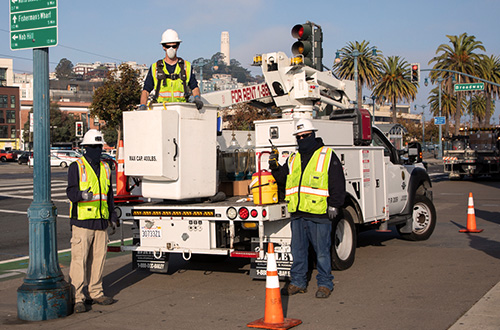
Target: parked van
column 69, row 155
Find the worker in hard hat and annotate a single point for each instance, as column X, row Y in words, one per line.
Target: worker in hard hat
column 172, row 78
column 91, row 212
column 315, row 191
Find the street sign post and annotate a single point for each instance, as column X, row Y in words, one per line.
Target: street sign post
column 33, row 24
column 439, row 120
column 469, row 87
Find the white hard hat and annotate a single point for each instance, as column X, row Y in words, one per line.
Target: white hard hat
column 92, row 136
column 170, row 36
column 304, row 125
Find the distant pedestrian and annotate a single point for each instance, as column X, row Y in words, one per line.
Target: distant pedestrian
column 172, row 78
column 91, row 211
column 315, row 191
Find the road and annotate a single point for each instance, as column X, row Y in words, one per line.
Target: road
column 393, row 284
column 16, row 195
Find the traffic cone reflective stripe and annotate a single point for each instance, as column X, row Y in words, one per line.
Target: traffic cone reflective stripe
column 471, row 218
column 273, row 315
column 121, row 179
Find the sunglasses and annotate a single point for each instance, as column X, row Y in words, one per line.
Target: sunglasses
column 303, row 136
column 170, row 46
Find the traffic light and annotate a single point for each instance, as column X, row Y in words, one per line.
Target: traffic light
column 309, row 44
column 79, row 128
column 415, row 73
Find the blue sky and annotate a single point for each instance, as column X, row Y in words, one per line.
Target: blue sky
column 114, row 31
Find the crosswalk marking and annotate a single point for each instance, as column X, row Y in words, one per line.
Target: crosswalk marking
column 24, row 190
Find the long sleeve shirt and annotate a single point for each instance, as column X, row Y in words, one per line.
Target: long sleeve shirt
column 75, row 195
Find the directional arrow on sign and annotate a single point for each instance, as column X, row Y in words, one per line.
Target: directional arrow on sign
column 14, row 37
column 14, row 18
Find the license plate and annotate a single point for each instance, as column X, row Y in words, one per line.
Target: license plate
column 150, row 233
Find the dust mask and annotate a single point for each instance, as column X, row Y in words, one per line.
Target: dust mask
column 171, row 53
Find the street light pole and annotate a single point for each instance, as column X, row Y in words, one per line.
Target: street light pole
column 440, row 151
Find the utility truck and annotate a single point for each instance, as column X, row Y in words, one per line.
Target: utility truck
column 183, row 212
column 475, row 152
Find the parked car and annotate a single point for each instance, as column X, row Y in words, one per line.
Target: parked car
column 6, row 156
column 54, row 161
column 25, row 157
column 110, row 160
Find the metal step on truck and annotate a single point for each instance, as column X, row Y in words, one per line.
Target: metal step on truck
column 173, row 149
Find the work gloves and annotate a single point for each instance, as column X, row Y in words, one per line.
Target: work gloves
column 198, row 102
column 273, row 160
column 333, row 212
column 87, row 195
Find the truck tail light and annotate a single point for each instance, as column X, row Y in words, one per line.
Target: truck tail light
column 243, row 213
column 254, row 213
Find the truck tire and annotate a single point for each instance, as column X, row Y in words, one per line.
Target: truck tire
column 344, row 240
column 424, row 220
column 3, row 159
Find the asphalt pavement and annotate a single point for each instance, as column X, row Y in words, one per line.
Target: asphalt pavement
column 142, row 304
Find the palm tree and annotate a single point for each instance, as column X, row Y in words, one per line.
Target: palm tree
column 368, row 65
column 489, row 69
column 394, row 83
column 459, row 56
column 477, row 107
column 448, row 105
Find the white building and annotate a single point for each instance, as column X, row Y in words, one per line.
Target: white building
column 6, row 72
column 25, row 83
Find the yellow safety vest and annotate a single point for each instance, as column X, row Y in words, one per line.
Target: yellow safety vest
column 171, row 90
column 310, row 188
column 97, row 208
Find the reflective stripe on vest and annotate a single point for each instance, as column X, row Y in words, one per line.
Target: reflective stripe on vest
column 310, row 189
column 97, row 208
column 171, row 90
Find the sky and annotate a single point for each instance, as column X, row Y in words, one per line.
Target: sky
column 127, row 30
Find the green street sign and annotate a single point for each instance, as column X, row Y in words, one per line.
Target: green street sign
column 24, row 5
column 33, row 19
column 33, row 38
column 469, row 87
column 33, row 24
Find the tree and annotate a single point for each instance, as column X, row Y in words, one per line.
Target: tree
column 448, row 105
column 477, row 108
column 460, row 56
column 121, row 92
column 489, row 69
column 64, row 69
column 369, row 65
column 62, row 126
column 394, row 83
column 243, row 115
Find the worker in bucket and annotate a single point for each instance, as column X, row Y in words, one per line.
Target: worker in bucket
column 92, row 211
column 315, row 192
column 171, row 78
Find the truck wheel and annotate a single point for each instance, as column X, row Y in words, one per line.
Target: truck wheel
column 3, row 159
column 344, row 240
column 424, row 220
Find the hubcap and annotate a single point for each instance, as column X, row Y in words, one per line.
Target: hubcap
column 421, row 218
column 343, row 239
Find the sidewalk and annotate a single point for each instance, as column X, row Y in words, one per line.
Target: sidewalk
column 142, row 303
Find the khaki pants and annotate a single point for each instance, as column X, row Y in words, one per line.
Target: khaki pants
column 88, row 254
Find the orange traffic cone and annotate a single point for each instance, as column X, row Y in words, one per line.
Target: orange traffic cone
column 471, row 218
column 121, row 178
column 273, row 316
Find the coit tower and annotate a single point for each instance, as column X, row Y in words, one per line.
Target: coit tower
column 224, row 46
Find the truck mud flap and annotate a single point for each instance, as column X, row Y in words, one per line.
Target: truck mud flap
column 155, row 262
column 258, row 267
